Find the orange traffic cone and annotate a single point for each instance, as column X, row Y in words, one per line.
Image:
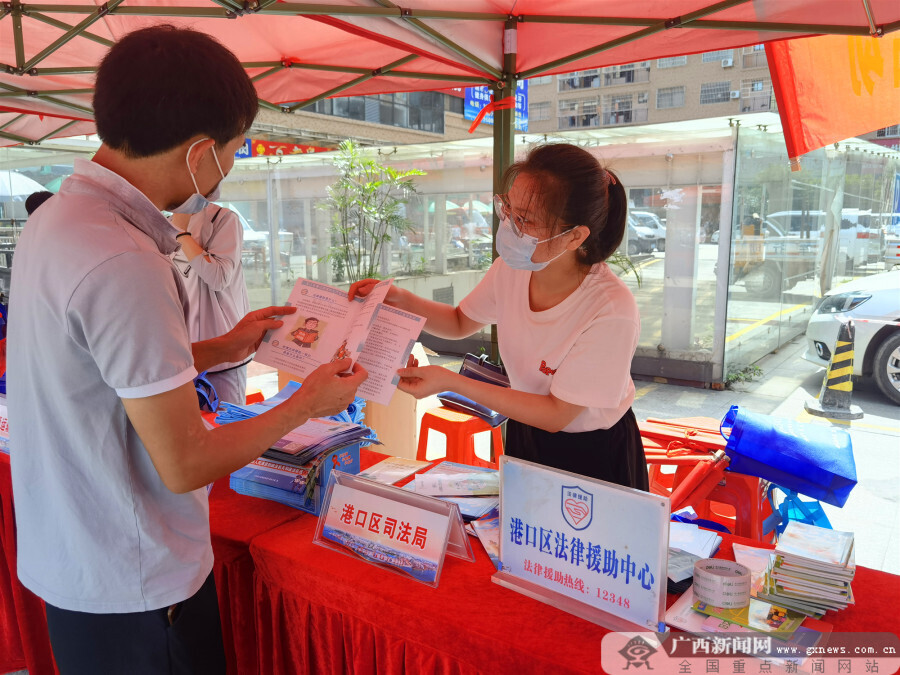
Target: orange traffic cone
column 837, row 387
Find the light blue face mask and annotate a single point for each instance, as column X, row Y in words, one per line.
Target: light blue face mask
column 516, row 251
column 197, row 201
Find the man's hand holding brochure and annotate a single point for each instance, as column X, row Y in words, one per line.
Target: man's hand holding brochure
column 328, row 326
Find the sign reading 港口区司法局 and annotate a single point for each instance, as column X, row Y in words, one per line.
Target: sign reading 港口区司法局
column 385, row 531
column 592, row 548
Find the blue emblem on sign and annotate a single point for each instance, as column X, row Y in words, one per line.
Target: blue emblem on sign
column 577, row 506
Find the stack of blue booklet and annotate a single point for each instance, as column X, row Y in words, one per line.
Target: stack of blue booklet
column 233, row 412
column 287, row 471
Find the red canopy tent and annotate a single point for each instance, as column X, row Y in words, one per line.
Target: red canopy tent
column 301, row 53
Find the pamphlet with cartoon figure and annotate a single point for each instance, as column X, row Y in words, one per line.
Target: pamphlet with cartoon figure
column 327, row 327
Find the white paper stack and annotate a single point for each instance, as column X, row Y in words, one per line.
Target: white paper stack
column 691, row 539
column 811, row 570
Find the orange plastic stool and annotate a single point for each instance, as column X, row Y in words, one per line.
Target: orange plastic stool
column 459, row 429
column 742, row 500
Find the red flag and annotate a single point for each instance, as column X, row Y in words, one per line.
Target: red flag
column 834, row 87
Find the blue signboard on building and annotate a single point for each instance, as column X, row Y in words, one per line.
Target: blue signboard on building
column 243, row 152
column 478, row 97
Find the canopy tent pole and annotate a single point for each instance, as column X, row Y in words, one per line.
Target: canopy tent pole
column 504, row 133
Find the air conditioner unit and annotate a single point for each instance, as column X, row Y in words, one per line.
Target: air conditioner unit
column 727, row 63
column 735, row 94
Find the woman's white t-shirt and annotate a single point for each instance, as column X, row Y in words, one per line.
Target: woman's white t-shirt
column 580, row 350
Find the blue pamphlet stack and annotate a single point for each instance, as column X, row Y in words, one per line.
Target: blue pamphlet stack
column 294, row 470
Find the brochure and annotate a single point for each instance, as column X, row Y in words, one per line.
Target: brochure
column 314, row 437
column 458, row 484
column 470, row 507
column 759, row 615
column 327, row 326
column 393, row 469
column 487, row 528
column 802, row 542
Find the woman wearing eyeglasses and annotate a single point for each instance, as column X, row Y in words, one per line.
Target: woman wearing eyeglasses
column 567, row 326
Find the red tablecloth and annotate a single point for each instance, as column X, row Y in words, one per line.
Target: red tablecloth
column 289, row 606
column 23, row 624
column 234, row 521
column 321, row 611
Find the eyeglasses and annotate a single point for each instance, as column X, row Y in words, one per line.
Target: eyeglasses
column 519, row 223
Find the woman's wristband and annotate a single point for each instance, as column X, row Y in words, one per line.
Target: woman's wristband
column 182, row 234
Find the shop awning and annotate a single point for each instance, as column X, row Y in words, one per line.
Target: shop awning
column 301, row 53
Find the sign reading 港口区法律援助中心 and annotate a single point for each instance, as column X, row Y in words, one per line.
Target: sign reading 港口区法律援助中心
column 592, row 548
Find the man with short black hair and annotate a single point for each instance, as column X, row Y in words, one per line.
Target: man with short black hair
column 110, row 456
column 35, row 199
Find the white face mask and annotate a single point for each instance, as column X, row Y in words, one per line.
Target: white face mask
column 197, row 201
column 516, row 251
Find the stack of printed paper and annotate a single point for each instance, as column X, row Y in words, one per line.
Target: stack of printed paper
column 311, row 439
column 811, row 570
column 691, row 539
column 393, row 469
column 278, row 481
column 474, row 489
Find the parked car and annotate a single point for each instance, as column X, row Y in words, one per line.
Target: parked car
column 256, row 243
column 638, row 239
column 860, row 237
column 652, row 222
column 771, row 262
column 874, row 304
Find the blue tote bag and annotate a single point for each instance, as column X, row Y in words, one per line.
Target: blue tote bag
column 816, row 461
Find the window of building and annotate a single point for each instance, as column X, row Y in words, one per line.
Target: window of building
column 756, row 94
column 621, row 108
column 421, row 110
column 454, row 104
column 754, row 57
column 671, row 62
column 627, row 73
column 670, row 97
column 543, row 79
column 538, row 112
column 715, row 92
column 713, row 57
column 580, row 79
column 888, row 132
column 577, row 113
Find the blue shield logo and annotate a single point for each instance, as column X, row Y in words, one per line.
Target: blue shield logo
column 577, row 506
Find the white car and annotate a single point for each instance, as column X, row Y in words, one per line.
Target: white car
column 874, row 305
column 652, row 222
column 256, row 241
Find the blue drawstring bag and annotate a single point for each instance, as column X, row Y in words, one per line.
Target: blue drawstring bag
column 816, row 461
column 206, row 393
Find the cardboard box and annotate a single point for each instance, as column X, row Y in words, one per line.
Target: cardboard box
column 256, row 482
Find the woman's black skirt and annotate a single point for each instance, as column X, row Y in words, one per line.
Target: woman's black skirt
column 615, row 455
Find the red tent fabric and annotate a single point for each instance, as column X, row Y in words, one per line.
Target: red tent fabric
column 860, row 94
column 299, row 53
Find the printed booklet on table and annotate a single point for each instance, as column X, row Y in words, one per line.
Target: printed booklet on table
column 327, row 326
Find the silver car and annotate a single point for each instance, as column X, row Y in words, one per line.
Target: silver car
column 874, row 305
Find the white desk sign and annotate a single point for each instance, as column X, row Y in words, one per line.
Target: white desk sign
column 588, row 547
column 392, row 528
